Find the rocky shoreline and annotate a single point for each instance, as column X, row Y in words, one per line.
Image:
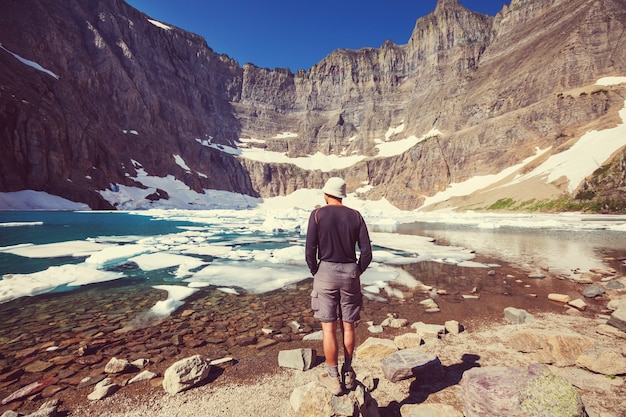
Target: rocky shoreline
column 55, row 361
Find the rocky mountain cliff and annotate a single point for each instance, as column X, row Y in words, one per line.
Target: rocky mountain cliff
column 96, row 97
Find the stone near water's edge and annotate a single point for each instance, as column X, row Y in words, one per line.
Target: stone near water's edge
column 299, row 359
column 593, row 291
column 578, row 303
column 410, row 363
column 561, row 298
column 517, row 315
column 185, row 373
column 315, row 336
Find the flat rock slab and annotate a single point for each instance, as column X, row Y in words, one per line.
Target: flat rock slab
column 410, row 363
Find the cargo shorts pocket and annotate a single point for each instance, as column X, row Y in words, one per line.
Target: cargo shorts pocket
column 315, row 301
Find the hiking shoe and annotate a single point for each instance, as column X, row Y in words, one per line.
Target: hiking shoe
column 331, row 384
column 349, row 378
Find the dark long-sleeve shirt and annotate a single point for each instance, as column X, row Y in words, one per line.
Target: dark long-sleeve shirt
column 332, row 235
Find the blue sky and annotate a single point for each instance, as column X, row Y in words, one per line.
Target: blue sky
column 296, row 34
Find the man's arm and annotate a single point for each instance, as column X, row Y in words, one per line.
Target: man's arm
column 365, row 247
column 312, row 243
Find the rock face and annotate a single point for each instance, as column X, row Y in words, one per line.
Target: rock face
column 115, row 97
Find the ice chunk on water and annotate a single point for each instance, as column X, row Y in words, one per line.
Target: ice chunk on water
column 19, row 285
column 175, row 296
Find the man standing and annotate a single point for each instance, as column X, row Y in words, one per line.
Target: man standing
column 333, row 232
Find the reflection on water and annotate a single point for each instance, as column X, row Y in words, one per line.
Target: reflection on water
column 559, row 250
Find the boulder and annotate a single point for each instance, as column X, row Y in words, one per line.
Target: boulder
column 300, row 359
column 532, row 392
column 602, row 361
column 376, row 348
column 313, row 400
column 517, row 315
column 185, row 374
column 560, row 348
column 546, row 394
column 408, row 363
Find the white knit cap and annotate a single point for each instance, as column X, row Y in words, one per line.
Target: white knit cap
column 336, row 187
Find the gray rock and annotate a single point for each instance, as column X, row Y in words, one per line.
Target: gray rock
column 593, row 291
column 408, row 363
column 614, row 285
column 9, row 413
column 517, row 315
column 300, row 359
column 533, row 392
column 185, row 374
column 313, row 336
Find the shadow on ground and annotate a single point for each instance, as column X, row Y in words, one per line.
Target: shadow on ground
column 425, row 385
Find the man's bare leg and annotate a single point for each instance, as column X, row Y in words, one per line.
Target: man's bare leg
column 329, row 343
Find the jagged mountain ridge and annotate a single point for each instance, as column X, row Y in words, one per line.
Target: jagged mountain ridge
column 496, row 88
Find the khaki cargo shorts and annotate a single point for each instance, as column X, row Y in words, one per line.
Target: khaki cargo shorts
column 337, row 292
